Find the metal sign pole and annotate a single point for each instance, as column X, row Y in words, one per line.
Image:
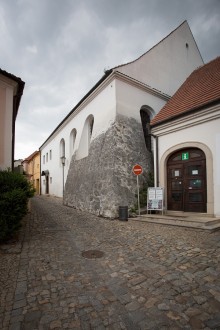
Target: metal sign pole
column 138, row 196
column 137, row 170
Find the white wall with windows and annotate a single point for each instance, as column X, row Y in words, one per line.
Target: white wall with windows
column 117, row 96
column 135, row 90
column 189, row 132
column 90, row 119
column 167, row 65
column 131, row 97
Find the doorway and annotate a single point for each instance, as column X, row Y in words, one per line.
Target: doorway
column 186, row 181
column 47, row 184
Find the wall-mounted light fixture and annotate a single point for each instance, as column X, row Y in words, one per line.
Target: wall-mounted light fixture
column 63, row 160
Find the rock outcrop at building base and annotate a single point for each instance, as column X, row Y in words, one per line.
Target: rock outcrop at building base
column 103, row 181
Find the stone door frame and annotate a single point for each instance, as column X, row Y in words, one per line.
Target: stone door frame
column 209, row 170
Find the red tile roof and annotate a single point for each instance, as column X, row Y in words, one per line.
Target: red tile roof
column 201, row 88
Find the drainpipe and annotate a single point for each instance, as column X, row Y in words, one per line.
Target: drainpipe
column 156, row 162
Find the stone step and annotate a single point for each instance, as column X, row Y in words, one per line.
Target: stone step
column 189, row 222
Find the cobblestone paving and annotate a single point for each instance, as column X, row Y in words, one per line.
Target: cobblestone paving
column 150, row 276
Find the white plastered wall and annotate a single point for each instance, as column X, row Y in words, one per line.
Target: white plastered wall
column 130, row 99
column 6, row 117
column 205, row 136
column 167, row 65
column 117, row 96
column 102, row 107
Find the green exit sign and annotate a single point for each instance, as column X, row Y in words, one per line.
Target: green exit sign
column 185, row 156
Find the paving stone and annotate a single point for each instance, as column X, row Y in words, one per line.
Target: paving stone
column 19, row 304
column 163, row 307
column 200, row 299
column 55, row 324
column 32, row 316
column 137, row 280
column 150, row 277
column 214, row 323
column 196, row 323
column 15, row 326
column 132, row 306
column 16, row 312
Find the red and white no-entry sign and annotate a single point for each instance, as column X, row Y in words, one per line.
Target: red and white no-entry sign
column 137, row 169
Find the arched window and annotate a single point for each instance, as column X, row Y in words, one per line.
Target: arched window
column 90, row 126
column 85, row 139
column 72, row 140
column 145, row 114
column 62, row 151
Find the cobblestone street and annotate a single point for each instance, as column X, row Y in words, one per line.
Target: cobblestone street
column 150, row 276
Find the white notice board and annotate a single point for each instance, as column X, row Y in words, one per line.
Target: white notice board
column 155, row 196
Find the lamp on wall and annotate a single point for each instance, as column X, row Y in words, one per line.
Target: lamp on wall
column 63, row 160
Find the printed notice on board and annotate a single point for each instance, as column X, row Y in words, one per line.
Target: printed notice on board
column 155, row 198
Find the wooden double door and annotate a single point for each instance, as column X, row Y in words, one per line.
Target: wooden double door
column 186, row 181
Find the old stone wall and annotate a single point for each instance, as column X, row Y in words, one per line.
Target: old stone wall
column 103, row 181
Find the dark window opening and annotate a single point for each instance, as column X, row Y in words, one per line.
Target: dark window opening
column 145, row 120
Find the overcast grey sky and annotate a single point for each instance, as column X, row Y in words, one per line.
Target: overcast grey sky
column 60, row 48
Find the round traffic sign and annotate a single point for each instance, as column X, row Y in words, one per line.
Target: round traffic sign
column 137, row 169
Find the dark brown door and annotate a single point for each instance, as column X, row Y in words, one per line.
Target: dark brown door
column 186, row 181
column 175, row 187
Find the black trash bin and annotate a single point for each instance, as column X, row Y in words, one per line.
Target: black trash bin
column 123, row 213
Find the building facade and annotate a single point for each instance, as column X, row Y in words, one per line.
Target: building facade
column 11, row 90
column 187, row 133
column 88, row 159
column 31, row 167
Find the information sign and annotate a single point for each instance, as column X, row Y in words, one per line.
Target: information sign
column 185, row 156
column 155, row 198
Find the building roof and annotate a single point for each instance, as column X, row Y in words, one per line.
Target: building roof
column 201, row 88
column 160, row 42
column 20, row 88
column 29, row 158
column 107, row 73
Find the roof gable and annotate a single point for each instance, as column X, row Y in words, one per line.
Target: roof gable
column 166, row 65
column 201, row 88
column 29, row 158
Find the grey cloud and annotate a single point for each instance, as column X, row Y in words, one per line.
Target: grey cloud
column 60, row 48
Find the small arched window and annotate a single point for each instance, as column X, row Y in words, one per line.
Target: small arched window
column 90, row 127
column 62, row 151
column 85, row 139
column 72, row 140
column 145, row 120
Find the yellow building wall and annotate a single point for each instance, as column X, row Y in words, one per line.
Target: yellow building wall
column 36, row 172
column 33, row 172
